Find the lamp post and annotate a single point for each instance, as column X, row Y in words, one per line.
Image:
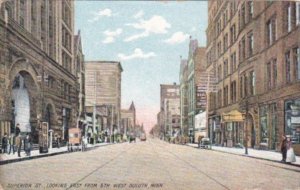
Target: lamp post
column 245, row 118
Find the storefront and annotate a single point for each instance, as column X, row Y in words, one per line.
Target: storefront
column 269, row 131
column 292, row 122
column 233, row 132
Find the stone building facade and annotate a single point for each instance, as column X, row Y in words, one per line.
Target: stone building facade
column 253, row 48
column 37, row 70
column 103, row 89
column 80, row 73
column 169, row 115
column 183, row 78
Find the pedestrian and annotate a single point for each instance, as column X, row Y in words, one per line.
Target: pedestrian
column 12, row 143
column 283, row 148
column 290, row 155
column 19, row 144
column 8, row 145
column 17, row 129
column 27, row 144
column 4, row 143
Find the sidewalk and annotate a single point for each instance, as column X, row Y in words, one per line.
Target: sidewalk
column 253, row 153
column 10, row 158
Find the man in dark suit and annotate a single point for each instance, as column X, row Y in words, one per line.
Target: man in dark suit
column 284, row 148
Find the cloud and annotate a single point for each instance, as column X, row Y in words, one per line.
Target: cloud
column 137, row 54
column 101, row 13
column 177, row 38
column 155, row 25
column 138, row 14
column 111, row 35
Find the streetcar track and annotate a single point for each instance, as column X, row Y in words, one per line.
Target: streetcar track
column 195, row 168
column 101, row 166
column 168, row 172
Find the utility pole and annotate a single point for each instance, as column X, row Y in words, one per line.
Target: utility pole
column 246, row 127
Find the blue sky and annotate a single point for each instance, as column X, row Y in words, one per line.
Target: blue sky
column 147, row 37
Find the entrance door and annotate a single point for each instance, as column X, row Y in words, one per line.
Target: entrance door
column 21, row 103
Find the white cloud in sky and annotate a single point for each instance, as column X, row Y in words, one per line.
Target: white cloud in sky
column 111, row 35
column 101, row 13
column 177, row 38
column 155, row 25
column 138, row 14
column 137, row 54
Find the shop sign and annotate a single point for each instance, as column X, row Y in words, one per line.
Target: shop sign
column 295, row 120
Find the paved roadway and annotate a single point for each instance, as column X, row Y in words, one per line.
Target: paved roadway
column 148, row 165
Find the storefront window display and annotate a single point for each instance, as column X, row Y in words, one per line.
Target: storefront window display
column 292, row 120
column 264, row 124
column 275, row 138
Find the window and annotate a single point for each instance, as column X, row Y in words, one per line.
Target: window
column 241, row 87
column 225, row 96
column 22, row 13
column 252, row 83
column 242, row 17
column 251, row 43
column 250, row 10
column 289, row 17
column 292, row 126
column 219, row 73
column 233, row 92
column 233, row 62
column 245, row 85
column 232, row 34
column 296, row 53
column 287, row 67
column 297, row 13
column 263, row 114
column 274, row 62
column 225, row 68
column 242, row 49
column 271, row 31
column 269, row 76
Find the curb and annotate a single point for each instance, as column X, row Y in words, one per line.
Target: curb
column 259, row 158
column 3, row 162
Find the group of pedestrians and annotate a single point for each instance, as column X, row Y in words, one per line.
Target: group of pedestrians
column 13, row 143
column 288, row 154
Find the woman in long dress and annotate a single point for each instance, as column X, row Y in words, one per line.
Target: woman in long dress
column 290, row 157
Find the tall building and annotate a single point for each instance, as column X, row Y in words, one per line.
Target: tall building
column 128, row 119
column 195, row 66
column 183, row 78
column 253, row 46
column 37, row 70
column 169, row 109
column 103, row 93
column 80, row 73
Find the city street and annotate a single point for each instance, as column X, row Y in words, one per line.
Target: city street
column 153, row 164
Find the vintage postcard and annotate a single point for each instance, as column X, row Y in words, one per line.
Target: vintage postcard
column 158, row 95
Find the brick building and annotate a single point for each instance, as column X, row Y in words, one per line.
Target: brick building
column 253, row 48
column 103, row 94
column 37, row 70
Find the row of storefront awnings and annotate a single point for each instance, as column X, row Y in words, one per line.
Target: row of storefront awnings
column 232, row 116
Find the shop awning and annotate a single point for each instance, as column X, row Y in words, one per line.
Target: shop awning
column 232, row 116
